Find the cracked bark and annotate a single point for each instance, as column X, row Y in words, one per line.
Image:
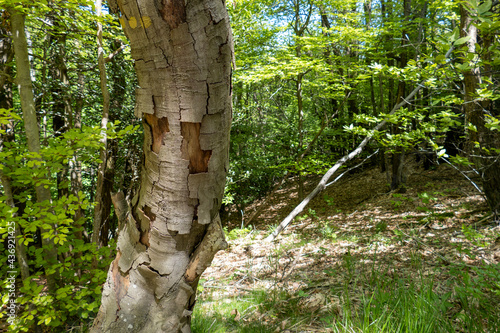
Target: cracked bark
column 170, row 233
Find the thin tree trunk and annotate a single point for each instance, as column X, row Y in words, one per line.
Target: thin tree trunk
column 102, row 206
column 60, row 104
column 300, row 129
column 475, row 109
column 75, row 166
column 30, row 123
column 299, row 28
column 398, row 157
column 117, row 96
column 6, row 102
column 183, row 53
column 387, row 12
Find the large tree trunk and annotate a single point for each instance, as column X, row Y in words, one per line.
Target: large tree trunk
column 183, row 53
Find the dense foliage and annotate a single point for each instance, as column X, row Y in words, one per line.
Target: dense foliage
column 312, row 78
column 68, row 101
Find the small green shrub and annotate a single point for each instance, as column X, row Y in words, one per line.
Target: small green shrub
column 237, row 233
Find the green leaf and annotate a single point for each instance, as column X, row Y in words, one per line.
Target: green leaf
column 440, row 59
column 462, row 40
column 483, row 8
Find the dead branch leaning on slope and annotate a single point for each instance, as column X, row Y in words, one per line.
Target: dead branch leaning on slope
column 322, row 184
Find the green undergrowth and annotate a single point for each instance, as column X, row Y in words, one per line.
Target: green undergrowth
column 464, row 299
column 395, row 305
column 229, row 314
column 443, row 279
column 387, row 305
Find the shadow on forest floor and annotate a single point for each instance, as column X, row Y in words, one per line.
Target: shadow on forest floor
column 360, row 260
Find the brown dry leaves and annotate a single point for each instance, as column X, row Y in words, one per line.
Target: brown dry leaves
column 353, row 231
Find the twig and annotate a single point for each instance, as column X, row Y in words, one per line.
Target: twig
column 297, row 324
column 463, row 174
column 422, row 243
column 484, row 219
column 109, row 57
column 225, row 288
column 293, row 265
column 209, row 329
column 350, row 169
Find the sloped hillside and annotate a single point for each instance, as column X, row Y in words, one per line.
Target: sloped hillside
column 353, row 246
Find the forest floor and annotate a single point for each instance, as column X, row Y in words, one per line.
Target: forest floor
column 355, row 243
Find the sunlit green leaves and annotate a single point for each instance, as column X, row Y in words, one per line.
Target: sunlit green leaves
column 492, row 123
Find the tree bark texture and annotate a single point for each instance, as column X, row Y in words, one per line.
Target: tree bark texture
column 117, row 98
column 299, row 28
column 59, row 89
column 7, row 134
column 183, row 54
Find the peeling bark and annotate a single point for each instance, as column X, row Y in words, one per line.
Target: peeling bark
column 198, row 158
column 183, row 55
column 173, row 12
column 159, row 127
